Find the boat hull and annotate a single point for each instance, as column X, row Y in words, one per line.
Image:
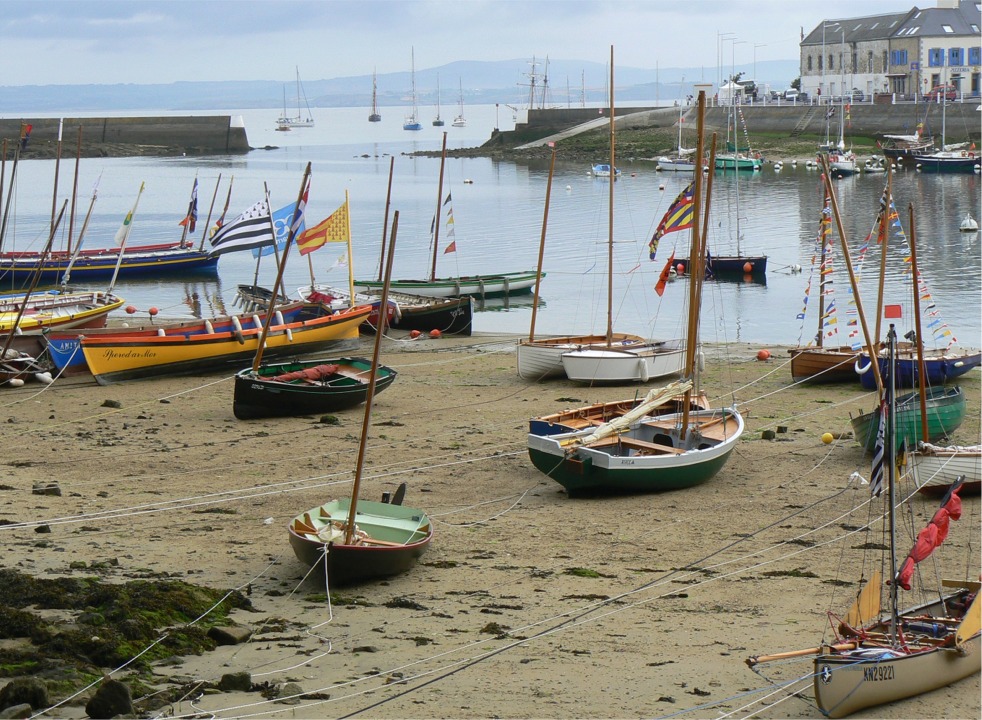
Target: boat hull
column 624, row 365
column 260, row 394
column 946, row 407
column 667, row 164
column 476, row 285
column 607, row 469
column 91, row 265
column 947, row 162
column 824, row 365
column 119, row 358
column 451, row 316
column 402, row 534
column 733, row 267
column 567, row 421
column 543, row 358
column 935, row 469
column 57, row 311
column 729, row 162
column 939, row 369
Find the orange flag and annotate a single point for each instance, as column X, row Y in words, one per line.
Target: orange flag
column 333, row 229
column 663, row 277
column 452, row 247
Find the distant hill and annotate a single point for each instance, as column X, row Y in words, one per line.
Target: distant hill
column 506, row 81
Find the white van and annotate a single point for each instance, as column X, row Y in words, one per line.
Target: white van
column 791, row 94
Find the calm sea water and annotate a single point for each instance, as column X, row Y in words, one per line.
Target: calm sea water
column 498, row 213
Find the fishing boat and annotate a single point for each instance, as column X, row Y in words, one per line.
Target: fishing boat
column 374, row 115
column 641, row 451
column 449, row 315
column 460, row 121
column 64, row 347
column 484, row 285
column 315, row 328
column 303, row 387
column 300, row 120
column 619, row 358
column 412, row 120
column 936, row 468
column 880, row 654
column 940, row 366
column 351, row 540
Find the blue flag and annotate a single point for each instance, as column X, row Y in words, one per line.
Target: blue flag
column 282, row 219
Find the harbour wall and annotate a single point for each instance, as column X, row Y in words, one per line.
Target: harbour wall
column 191, row 135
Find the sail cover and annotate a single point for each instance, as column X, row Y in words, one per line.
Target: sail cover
column 933, row 535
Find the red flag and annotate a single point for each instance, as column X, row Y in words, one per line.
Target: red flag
column 892, row 312
column 452, row 247
column 663, row 277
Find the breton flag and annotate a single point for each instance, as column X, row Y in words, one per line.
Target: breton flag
column 124, row 230
column 251, row 229
column 332, row 229
column 678, row 217
column 879, row 449
column 192, row 215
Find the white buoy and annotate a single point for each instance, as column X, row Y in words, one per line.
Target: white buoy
column 44, row 377
column 569, row 188
column 15, row 382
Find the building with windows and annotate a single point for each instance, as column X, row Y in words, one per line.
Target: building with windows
column 903, row 54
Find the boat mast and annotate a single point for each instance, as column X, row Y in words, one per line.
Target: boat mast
column 281, row 266
column 439, row 199
column 71, row 213
column 542, row 244
column 694, row 264
column 891, row 473
column 610, row 213
column 883, row 238
column 385, row 221
column 827, row 179
column 921, row 369
column 349, row 529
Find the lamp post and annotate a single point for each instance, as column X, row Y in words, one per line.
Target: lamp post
column 720, row 38
column 756, row 45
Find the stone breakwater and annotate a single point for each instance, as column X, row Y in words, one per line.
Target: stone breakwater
column 127, row 136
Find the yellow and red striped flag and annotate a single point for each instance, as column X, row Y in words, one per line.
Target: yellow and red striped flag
column 332, row 229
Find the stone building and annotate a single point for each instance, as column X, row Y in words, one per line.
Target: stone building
column 899, row 54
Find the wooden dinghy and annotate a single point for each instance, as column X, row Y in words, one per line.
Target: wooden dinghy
column 302, row 387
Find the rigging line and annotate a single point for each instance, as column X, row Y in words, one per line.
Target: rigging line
column 775, row 689
column 492, row 517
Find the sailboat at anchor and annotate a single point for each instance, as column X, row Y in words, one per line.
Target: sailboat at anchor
column 285, row 121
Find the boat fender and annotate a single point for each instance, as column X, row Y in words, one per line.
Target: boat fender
column 862, row 371
column 238, row 330
column 279, row 321
column 964, row 153
column 256, row 322
column 701, row 361
column 209, row 328
column 643, row 369
column 160, row 332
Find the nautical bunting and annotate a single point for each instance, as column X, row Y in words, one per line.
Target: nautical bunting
column 678, row 217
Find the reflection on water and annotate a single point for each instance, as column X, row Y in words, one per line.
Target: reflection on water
column 513, row 302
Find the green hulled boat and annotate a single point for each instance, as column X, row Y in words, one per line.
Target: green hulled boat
column 946, row 409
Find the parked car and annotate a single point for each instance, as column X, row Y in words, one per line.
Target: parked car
column 856, row 95
column 949, row 93
column 790, row 94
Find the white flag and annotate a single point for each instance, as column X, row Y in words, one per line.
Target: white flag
column 124, row 231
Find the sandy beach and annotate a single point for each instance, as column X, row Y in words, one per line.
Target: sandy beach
column 528, row 604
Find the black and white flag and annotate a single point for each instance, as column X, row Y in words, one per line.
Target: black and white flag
column 251, row 229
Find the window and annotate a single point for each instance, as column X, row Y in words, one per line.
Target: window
column 948, row 29
column 935, row 57
column 809, row 63
column 820, row 66
column 869, row 61
column 898, row 57
column 885, row 65
column 831, row 63
column 956, row 56
column 975, row 56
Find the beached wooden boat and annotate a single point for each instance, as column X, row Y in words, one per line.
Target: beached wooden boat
column 824, row 364
column 388, row 540
column 627, row 363
column 542, row 358
column 936, row 468
column 641, row 451
column 114, row 357
column 302, row 387
column 946, row 408
column 880, row 654
column 595, row 415
column 353, row 540
column 39, row 312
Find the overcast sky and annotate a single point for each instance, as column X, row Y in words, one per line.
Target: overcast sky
column 44, row 42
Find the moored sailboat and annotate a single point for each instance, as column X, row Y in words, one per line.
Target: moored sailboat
column 412, row 120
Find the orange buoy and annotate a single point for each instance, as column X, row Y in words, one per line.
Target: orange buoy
column 748, row 267
column 130, row 309
column 763, row 355
column 434, row 333
column 153, row 311
column 680, row 268
column 415, row 334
